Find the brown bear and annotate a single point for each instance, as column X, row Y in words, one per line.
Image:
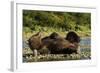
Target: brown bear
column 73, row 38
column 54, row 44
column 58, row 45
column 35, row 42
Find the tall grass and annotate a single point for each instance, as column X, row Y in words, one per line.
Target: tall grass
column 27, row 32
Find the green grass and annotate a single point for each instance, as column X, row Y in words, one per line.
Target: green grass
column 48, row 30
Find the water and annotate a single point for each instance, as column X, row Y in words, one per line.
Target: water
column 25, row 44
column 85, row 44
column 85, row 41
column 85, row 48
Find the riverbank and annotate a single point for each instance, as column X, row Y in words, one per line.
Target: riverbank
column 27, row 35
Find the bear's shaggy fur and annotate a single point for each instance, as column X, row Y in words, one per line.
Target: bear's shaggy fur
column 54, row 43
column 58, row 45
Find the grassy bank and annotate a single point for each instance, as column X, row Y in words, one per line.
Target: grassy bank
column 48, row 30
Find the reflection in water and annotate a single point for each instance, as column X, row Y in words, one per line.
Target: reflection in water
column 85, row 41
column 85, row 44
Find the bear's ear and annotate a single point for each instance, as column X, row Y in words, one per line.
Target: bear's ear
column 38, row 34
column 54, row 35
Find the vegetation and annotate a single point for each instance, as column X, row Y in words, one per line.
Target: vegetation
column 47, row 21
